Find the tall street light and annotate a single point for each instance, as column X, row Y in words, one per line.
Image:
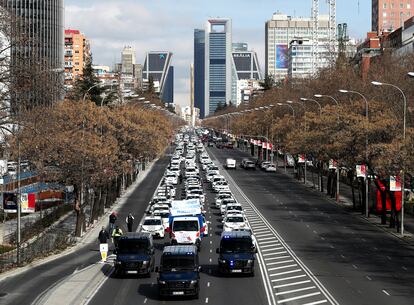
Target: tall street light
column 312, row 100
column 366, row 145
column 290, row 106
column 375, row 83
column 328, row 96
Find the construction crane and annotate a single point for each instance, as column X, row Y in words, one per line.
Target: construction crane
column 343, row 38
column 315, row 35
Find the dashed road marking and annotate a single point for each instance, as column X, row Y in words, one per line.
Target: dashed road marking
column 384, row 291
column 369, row 278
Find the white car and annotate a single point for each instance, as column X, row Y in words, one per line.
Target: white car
column 164, row 214
column 230, row 163
column 224, row 204
column 234, row 222
column 153, row 225
column 270, row 168
column 221, row 196
column 221, row 186
column 234, row 207
column 171, row 178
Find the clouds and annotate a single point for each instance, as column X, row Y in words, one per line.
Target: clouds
column 168, row 25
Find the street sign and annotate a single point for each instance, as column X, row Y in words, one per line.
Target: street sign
column 333, row 164
column 28, row 202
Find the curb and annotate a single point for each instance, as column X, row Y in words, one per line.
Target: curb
column 81, row 241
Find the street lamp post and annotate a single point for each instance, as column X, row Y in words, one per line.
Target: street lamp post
column 375, row 83
column 366, row 146
column 293, row 113
column 90, row 88
column 315, row 101
column 337, row 166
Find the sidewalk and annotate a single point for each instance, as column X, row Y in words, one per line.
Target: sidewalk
column 345, row 200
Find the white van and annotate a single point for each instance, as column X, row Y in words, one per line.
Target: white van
column 230, row 163
column 185, row 231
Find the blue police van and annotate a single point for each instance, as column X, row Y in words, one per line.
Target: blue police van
column 236, row 253
column 179, row 272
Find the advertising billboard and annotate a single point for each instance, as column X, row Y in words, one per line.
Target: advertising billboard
column 28, row 203
column 10, row 202
column 282, row 60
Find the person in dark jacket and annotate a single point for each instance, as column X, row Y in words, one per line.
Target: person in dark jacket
column 130, row 221
column 112, row 220
column 103, row 236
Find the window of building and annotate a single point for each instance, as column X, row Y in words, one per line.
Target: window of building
column 408, row 6
column 392, row 5
column 384, row 14
column 384, row 5
column 77, row 51
column 401, row 5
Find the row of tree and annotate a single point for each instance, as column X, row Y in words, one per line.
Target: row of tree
column 95, row 149
column 340, row 132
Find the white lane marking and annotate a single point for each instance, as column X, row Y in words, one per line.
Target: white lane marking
column 404, row 268
column 354, row 266
column 145, row 300
column 368, row 278
column 282, row 267
column 267, row 242
column 271, row 245
column 323, row 238
column 278, row 263
column 343, row 256
column 261, row 230
column 315, row 232
column 276, row 253
column 208, row 284
column 288, row 278
column 211, row 242
column 272, row 249
column 299, row 297
column 211, row 250
column 389, row 258
column 384, row 291
column 210, row 259
column 263, row 234
column 278, row 257
column 285, row 272
column 264, row 239
column 291, row 284
column 254, row 227
column 206, row 300
column 317, row 302
column 295, row 290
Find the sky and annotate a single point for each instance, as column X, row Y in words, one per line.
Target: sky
column 168, row 25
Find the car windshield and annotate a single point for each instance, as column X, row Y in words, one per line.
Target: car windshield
column 187, row 225
column 235, row 219
column 133, row 246
column 236, row 245
column 234, row 208
column 152, row 222
column 177, row 262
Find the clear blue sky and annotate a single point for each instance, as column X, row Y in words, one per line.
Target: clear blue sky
column 169, row 24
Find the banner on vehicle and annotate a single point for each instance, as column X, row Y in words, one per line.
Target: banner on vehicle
column 28, row 202
column 185, row 207
column 395, row 184
column 361, row 171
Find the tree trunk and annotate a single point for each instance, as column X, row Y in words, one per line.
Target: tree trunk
column 328, row 184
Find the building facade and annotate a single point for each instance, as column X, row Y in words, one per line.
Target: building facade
column 388, row 15
column 42, row 23
column 199, row 70
column 245, row 67
column 128, row 60
column 77, row 52
column 218, row 64
column 158, row 70
column 280, row 31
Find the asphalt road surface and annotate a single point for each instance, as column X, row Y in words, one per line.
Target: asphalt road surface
column 356, row 262
column 24, row 288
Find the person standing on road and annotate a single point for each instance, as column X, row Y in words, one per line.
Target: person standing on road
column 112, row 220
column 116, row 235
column 103, row 247
column 130, row 221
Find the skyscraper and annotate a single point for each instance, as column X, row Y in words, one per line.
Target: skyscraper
column 390, row 15
column 41, row 22
column 218, row 64
column 128, row 60
column 158, row 70
column 199, row 70
column 280, row 31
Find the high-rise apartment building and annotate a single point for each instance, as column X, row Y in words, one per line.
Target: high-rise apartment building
column 77, row 52
column 41, row 22
column 280, row 31
column 240, row 46
column 128, row 60
column 158, row 70
column 388, row 15
column 218, row 63
column 199, row 70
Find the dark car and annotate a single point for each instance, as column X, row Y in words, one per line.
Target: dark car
column 236, row 253
column 179, row 272
column 135, row 254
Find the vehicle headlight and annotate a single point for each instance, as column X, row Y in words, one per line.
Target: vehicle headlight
column 161, row 282
column 118, row 262
column 249, row 261
column 222, row 261
column 145, row 262
column 193, row 282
